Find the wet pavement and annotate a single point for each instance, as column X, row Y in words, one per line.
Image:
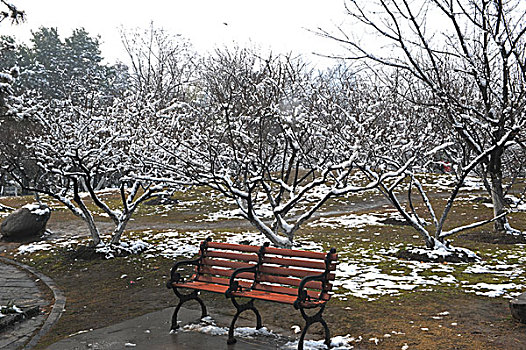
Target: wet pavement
column 19, row 287
column 151, row 332
column 22, row 286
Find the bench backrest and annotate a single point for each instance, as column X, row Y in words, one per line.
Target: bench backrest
column 220, row 260
column 278, row 270
column 281, row 271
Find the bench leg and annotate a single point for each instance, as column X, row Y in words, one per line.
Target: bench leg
column 240, row 308
column 183, row 298
column 309, row 321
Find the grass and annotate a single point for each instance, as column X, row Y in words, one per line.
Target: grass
column 442, row 311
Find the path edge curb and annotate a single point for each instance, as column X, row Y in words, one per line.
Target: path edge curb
column 58, row 306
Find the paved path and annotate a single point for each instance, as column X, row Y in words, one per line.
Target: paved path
column 150, row 332
column 19, row 287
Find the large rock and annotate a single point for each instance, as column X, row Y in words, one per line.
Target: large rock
column 518, row 308
column 27, row 222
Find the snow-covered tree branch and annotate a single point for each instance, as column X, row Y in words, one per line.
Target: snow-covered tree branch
column 471, row 66
column 266, row 133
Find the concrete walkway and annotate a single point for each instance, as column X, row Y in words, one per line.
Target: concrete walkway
column 23, row 286
column 150, row 332
column 20, row 288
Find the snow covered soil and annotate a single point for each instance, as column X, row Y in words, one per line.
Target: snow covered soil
column 366, row 270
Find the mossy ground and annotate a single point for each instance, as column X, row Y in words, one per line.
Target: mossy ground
column 442, row 316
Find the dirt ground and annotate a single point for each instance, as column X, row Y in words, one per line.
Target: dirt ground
column 103, row 292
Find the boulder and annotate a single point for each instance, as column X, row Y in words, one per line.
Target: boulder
column 518, row 308
column 25, row 223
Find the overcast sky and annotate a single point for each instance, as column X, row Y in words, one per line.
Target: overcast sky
column 281, row 25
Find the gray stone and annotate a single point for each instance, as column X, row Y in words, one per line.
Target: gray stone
column 518, row 308
column 26, row 222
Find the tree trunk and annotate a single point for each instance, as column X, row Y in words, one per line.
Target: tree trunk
column 94, row 231
column 119, row 230
column 497, row 192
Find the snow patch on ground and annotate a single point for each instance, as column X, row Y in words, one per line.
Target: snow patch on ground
column 348, row 221
column 493, row 290
column 123, row 248
column 33, row 247
column 173, row 244
column 518, row 204
column 441, row 251
column 208, row 326
column 337, row 343
column 369, row 282
column 368, row 272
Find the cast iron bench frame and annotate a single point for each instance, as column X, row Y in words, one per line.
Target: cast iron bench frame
column 258, row 273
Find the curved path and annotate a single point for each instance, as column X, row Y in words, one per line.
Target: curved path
column 19, row 286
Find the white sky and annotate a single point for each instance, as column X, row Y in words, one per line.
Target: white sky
column 277, row 24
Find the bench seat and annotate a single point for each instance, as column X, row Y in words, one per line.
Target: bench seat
column 277, row 297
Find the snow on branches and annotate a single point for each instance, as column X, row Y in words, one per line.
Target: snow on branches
column 77, row 150
column 471, row 67
column 268, row 135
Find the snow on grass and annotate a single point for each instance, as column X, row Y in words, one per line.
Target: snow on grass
column 33, row 247
column 493, row 290
column 348, row 221
column 361, row 280
column 172, row 244
column 441, row 251
column 447, row 182
column 513, row 270
column 368, row 272
column 372, row 273
column 518, row 204
column 132, row 247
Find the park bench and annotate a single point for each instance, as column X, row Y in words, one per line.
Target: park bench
column 294, row 277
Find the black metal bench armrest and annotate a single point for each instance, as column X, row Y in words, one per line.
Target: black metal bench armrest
column 234, row 285
column 176, row 276
column 302, row 293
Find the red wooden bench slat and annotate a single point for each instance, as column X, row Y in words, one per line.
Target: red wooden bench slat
column 298, row 263
column 289, row 281
column 226, row 263
column 299, row 253
column 232, row 256
column 287, row 271
column 280, row 298
column 216, row 288
column 225, row 272
column 236, row 247
column 219, row 280
column 286, row 290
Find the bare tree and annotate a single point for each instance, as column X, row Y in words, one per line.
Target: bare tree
column 12, row 12
column 411, row 136
column 77, row 151
column 267, row 135
column 471, row 61
column 162, row 65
